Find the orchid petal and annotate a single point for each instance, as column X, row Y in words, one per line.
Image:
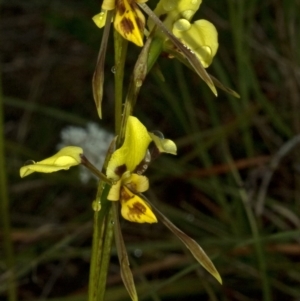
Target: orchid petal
column 100, row 18
column 137, row 183
column 201, row 37
column 67, row 157
column 114, row 192
column 164, row 145
column 133, row 150
column 130, row 22
column 135, row 209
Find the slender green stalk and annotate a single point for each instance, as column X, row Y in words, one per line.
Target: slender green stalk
column 96, row 248
column 93, row 263
column 5, row 216
column 120, row 55
column 258, row 244
column 136, row 82
column 238, row 25
column 259, row 251
column 94, row 170
column 103, row 226
column 105, row 258
column 101, row 207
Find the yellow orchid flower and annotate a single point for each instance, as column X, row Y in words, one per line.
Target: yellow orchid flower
column 64, row 159
column 133, row 208
column 125, row 168
column 134, row 149
column 128, row 19
column 201, row 37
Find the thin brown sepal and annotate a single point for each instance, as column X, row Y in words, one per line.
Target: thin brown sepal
column 98, row 77
column 126, row 273
column 85, row 162
column 190, row 243
column 178, row 55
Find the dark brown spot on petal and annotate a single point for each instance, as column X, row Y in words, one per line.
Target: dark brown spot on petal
column 120, row 6
column 124, row 195
column 127, row 25
column 120, row 170
column 137, row 209
column 140, row 23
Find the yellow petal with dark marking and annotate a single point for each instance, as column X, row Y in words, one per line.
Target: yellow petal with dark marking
column 137, row 183
column 129, row 21
column 134, row 209
column 108, row 4
column 132, row 152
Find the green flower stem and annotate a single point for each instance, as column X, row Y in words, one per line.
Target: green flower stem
column 120, row 58
column 136, row 82
column 106, row 250
column 101, row 206
column 97, row 234
column 103, row 225
column 7, row 243
column 146, row 60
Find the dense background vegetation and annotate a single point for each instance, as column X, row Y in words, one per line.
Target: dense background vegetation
column 234, row 186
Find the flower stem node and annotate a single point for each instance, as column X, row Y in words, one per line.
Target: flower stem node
column 67, row 157
column 96, row 205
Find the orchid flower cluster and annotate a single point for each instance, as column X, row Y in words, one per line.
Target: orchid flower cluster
column 122, row 180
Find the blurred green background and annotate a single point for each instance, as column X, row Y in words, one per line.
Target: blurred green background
column 234, row 186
